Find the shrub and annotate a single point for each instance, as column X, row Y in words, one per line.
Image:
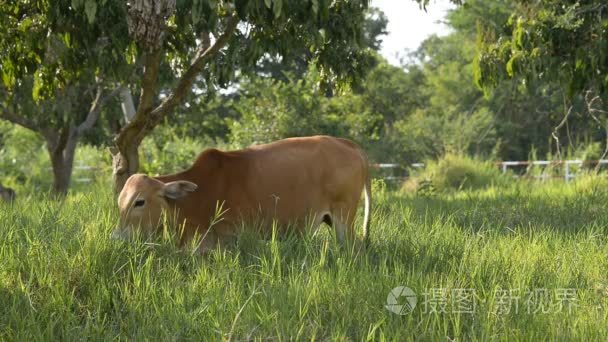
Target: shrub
column 166, row 151
column 271, row 110
column 424, row 134
column 455, row 172
column 23, row 157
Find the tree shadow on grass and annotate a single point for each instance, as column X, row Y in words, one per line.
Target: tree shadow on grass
column 511, row 212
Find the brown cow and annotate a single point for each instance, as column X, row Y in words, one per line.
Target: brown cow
column 293, row 181
column 7, row 194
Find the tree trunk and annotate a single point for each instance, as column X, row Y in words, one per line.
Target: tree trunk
column 61, row 142
column 147, row 26
column 62, row 174
column 125, row 162
column 61, row 150
column 125, row 156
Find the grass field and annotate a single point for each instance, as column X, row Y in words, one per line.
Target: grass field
column 62, row 278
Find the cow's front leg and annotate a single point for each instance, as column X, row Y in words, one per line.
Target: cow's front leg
column 213, row 240
column 207, row 242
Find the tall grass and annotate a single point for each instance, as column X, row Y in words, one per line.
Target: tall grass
column 62, row 278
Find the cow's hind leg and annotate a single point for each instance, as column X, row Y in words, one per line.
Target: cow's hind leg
column 341, row 231
column 318, row 219
column 342, row 221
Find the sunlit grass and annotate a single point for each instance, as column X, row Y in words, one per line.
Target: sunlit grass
column 61, row 277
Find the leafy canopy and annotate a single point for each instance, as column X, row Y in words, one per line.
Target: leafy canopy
column 551, row 41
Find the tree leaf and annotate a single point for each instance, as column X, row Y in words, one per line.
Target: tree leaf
column 196, row 9
column 241, row 8
column 37, row 87
column 8, row 78
column 268, row 3
column 277, row 7
column 90, row 8
column 323, row 35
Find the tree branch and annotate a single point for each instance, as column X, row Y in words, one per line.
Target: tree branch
column 95, row 110
column 205, row 43
column 56, row 143
column 127, row 106
column 555, row 129
column 145, row 119
column 22, row 121
column 184, row 85
column 592, row 110
column 146, row 98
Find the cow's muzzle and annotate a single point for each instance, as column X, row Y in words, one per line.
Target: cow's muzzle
column 119, row 234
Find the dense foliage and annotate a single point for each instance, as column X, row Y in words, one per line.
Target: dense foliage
column 275, row 87
column 58, row 57
column 556, row 51
column 454, row 173
column 549, row 41
column 430, row 105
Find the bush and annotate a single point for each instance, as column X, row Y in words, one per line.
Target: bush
column 455, row 172
column 165, row 151
column 271, row 110
column 23, row 157
column 426, row 135
column 590, row 182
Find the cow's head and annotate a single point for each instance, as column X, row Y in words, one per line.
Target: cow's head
column 142, row 201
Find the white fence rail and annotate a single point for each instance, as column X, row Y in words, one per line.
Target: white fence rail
column 566, row 164
column 79, row 170
column 568, row 172
column 395, row 168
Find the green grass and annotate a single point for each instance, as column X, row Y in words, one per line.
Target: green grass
column 62, row 278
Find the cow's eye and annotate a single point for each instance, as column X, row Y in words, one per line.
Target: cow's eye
column 139, row 203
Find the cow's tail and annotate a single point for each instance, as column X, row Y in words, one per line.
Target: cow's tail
column 367, row 217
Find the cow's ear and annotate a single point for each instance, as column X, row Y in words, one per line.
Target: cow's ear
column 177, row 189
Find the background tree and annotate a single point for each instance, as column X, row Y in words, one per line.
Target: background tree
column 296, row 61
column 273, row 109
column 160, row 48
column 420, row 110
column 220, row 110
column 190, row 37
column 559, row 48
column 552, row 41
column 50, row 83
column 62, row 123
